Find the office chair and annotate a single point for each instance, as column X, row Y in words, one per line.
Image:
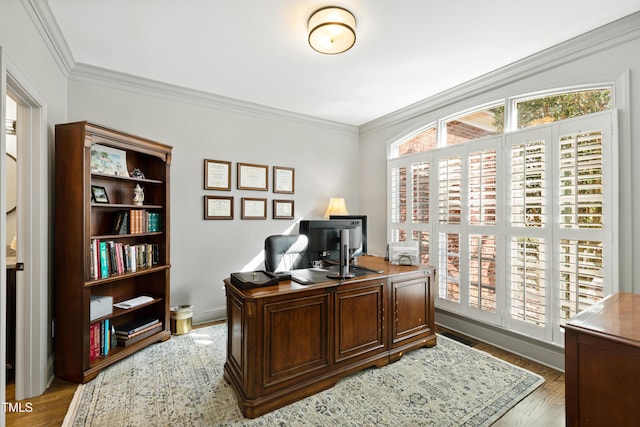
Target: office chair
column 286, row 252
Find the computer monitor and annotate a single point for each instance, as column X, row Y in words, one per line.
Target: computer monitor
column 324, row 237
column 363, row 220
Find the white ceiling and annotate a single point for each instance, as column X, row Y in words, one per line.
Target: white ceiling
column 257, row 51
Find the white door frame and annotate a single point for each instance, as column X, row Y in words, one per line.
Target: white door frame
column 33, row 369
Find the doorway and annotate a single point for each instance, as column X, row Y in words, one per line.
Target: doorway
column 33, row 363
column 11, row 241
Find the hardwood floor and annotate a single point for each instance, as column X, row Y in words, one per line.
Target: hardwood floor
column 47, row 410
column 543, row 407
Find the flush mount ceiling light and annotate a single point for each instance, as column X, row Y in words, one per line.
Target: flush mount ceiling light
column 332, row 30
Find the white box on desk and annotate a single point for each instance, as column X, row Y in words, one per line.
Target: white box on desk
column 100, row 306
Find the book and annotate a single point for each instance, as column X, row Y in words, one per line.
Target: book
column 121, row 223
column 125, row 336
column 92, row 259
column 106, row 334
column 104, row 260
column 125, row 342
column 94, row 341
column 133, row 302
column 132, row 258
column 117, row 223
column 124, row 229
column 136, row 325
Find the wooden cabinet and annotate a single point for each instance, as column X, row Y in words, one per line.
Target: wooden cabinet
column 602, row 363
column 359, row 320
column 289, row 341
column 81, row 222
column 412, row 302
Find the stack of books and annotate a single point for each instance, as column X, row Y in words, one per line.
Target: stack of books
column 137, row 330
column 100, row 339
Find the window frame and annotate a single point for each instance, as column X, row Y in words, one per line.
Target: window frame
column 552, row 331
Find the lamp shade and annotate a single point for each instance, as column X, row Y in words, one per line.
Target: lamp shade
column 332, row 30
column 337, row 206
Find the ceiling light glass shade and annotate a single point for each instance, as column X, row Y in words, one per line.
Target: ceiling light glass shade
column 337, row 206
column 332, row 30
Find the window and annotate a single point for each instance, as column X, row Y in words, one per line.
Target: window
column 519, row 225
column 474, row 125
column 423, row 141
column 551, row 108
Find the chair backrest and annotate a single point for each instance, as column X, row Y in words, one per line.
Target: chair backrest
column 286, row 252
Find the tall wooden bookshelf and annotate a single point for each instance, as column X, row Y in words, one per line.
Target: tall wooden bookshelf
column 79, row 221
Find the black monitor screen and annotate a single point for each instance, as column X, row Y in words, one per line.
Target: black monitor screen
column 324, row 237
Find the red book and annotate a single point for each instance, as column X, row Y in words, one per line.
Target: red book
column 94, row 341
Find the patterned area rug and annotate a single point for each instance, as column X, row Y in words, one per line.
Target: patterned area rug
column 180, row 383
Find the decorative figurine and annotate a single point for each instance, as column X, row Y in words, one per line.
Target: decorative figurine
column 137, row 173
column 138, row 195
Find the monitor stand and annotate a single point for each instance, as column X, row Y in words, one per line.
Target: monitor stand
column 344, row 272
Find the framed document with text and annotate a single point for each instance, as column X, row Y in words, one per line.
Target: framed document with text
column 217, row 175
column 283, row 180
column 283, row 209
column 253, row 177
column 254, row 208
column 218, row 207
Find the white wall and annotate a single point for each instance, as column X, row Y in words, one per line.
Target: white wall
column 203, row 253
column 609, row 54
column 34, row 71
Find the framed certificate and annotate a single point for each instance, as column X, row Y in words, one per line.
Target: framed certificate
column 218, row 207
column 283, row 209
column 283, row 180
column 253, row 177
column 254, row 208
column 217, row 175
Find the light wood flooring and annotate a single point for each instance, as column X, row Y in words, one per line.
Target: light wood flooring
column 543, row 407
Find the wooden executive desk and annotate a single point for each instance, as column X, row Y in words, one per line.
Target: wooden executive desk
column 289, row 341
column 602, row 363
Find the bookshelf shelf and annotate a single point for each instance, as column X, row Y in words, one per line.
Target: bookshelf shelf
column 121, row 311
column 119, row 353
column 123, row 206
column 120, row 277
column 84, row 269
column 123, row 236
column 125, row 178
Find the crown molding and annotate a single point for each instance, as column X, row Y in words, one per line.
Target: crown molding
column 50, row 32
column 91, row 74
column 602, row 38
column 46, row 24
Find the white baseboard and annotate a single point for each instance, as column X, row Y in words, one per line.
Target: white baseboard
column 50, row 372
column 209, row 315
column 540, row 352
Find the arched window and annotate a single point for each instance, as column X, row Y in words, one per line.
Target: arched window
column 514, row 202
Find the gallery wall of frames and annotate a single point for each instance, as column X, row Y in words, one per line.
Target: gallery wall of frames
column 252, row 177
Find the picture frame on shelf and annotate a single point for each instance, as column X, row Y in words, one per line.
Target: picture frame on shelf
column 99, row 194
column 283, row 209
column 253, row 177
column 217, row 175
column 284, row 179
column 252, row 208
column 108, row 161
column 218, row 207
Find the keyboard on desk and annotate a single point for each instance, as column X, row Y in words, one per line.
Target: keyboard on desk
column 309, row 276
